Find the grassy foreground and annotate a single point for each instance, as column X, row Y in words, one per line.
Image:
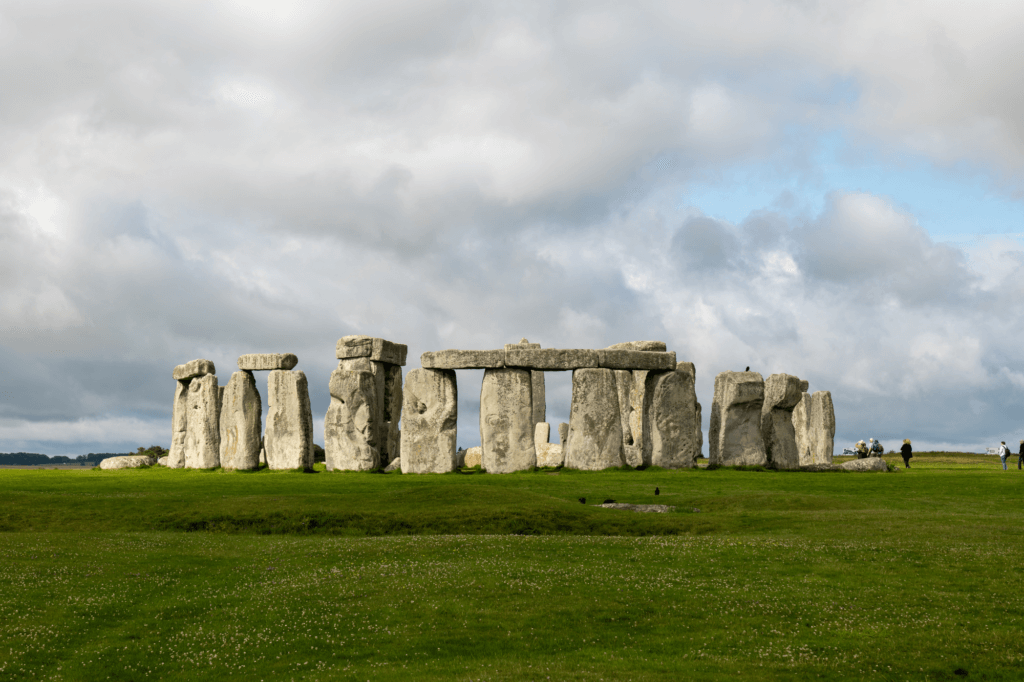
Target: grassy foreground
column 158, row 574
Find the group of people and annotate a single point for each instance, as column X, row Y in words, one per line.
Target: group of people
column 876, row 450
column 1004, row 452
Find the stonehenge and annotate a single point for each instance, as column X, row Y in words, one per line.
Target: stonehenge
column 289, row 436
column 671, row 425
column 734, row 435
column 595, row 427
column 241, row 416
column 506, row 421
column 782, row 393
column 814, row 422
column 430, row 410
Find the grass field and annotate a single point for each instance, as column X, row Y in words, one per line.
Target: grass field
column 159, row 574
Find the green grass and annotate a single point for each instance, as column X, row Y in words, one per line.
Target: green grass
column 158, row 574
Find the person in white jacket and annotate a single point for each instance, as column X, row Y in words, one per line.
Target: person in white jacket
column 1004, row 452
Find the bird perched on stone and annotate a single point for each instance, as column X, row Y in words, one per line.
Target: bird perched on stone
column 747, row 369
column 657, row 491
column 583, row 500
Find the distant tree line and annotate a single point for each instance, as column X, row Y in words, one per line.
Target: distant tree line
column 92, row 459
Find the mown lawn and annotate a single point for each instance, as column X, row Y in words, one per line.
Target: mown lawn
column 158, row 574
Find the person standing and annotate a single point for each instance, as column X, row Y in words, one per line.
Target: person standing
column 908, row 452
column 1004, row 452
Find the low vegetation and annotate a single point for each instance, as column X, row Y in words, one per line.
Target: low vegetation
column 160, row 574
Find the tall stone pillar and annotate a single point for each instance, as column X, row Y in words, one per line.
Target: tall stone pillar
column 392, row 414
column 801, row 426
column 241, row 422
column 506, row 421
column 289, row 436
column 670, row 418
column 349, row 429
column 782, row 393
column 538, row 395
column 734, row 434
column 202, row 439
column 179, row 426
column 430, row 409
column 384, row 360
column 595, row 426
column 822, row 427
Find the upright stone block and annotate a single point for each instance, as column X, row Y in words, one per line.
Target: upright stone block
column 202, row 440
column 782, row 393
column 289, row 436
column 623, row 389
column 538, row 397
column 801, row 425
column 541, row 433
column 430, row 409
column 349, row 435
column 378, row 350
column 241, row 423
column 179, row 425
column 563, row 434
column 670, row 418
column 595, row 427
column 699, row 436
column 636, row 408
column 391, row 447
column 735, row 431
column 506, row 421
column 193, row 369
column 822, row 427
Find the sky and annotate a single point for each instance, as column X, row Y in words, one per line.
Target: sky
column 830, row 190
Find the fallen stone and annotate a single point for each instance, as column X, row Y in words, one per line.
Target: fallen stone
column 866, row 464
column 179, row 426
column 266, row 361
column 350, row 442
column 202, row 438
column 396, row 465
column 782, row 393
column 633, row 456
column 430, row 409
column 550, row 455
column 670, row 418
column 380, row 350
column 193, row 369
column 595, row 430
column 162, row 461
column 821, row 428
column 506, row 421
column 655, row 346
column 551, row 359
column 563, row 434
column 128, row 462
column 241, row 423
column 289, row 435
column 474, row 457
column 643, row 508
column 635, row 359
column 463, row 359
column 734, row 436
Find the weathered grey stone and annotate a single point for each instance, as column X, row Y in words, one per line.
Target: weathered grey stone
column 267, row 361
column 699, row 436
column 202, row 438
column 551, row 359
column 782, row 393
column 380, row 426
column 642, row 508
column 430, row 409
column 635, row 359
column 506, row 421
column 128, row 462
column 541, row 433
column 193, row 369
column 356, row 364
column 650, row 346
column 241, row 423
column 539, row 397
column 474, row 457
column 391, row 447
column 821, row 430
column 801, row 423
column 380, row 350
column 734, row 436
column 179, row 426
column 866, row 464
column 463, row 359
column 623, row 389
column 162, row 461
column 563, row 434
column 550, row 455
column 595, row 429
column 522, row 345
column 289, row 435
column 670, row 418
column 350, row 442
column 396, row 465
column 263, row 454
column 632, row 455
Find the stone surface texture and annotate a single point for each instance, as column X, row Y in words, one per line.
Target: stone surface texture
column 541, row 433
column 241, row 423
column 670, row 418
column 595, row 427
column 635, row 359
column 463, row 359
column 734, row 434
column 391, row 448
column 128, row 462
column 163, row 461
column 623, row 389
column 193, row 369
column 563, row 434
column 506, row 421
column 289, row 436
column 643, row 508
column 379, row 350
column 540, row 404
column 202, row 438
column 396, row 465
column 474, row 457
column 550, row 455
column 801, row 424
column 430, row 410
column 866, row 464
column 782, row 393
column 551, row 359
column 179, row 426
column 699, row 436
column 350, row 439
column 821, row 430
column 254, row 362
column 650, row 346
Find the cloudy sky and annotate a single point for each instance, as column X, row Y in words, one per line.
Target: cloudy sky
column 832, row 190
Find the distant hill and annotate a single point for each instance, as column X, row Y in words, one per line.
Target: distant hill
column 34, row 458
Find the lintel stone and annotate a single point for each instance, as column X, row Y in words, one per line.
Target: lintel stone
column 254, row 362
column 463, row 359
column 380, row 350
column 552, row 359
column 647, row 346
column 636, row 359
column 193, row 369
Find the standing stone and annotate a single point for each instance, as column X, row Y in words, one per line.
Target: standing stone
column 289, row 436
column 241, row 417
column 474, row 457
column 822, row 427
column 595, row 426
column 563, row 434
column 670, row 418
column 541, row 433
column 506, row 421
column 699, row 436
column 636, row 408
column 392, row 414
column 538, row 397
column 202, row 440
column 349, row 438
column 379, row 372
column 734, row 435
column 782, row 393
column 430, row 410
column 179, row 426
column 548, row 454
column 623, row 389
column 801, row 426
